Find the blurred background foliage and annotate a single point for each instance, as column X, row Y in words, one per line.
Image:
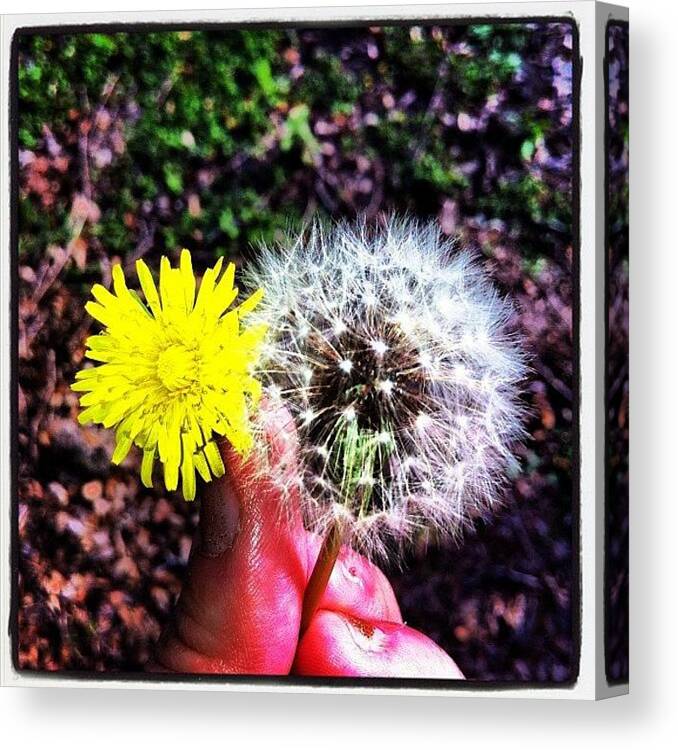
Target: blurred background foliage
column 135, row 144
column 221, row 139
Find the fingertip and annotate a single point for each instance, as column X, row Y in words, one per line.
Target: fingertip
column 219, row 517
column 339, row 645
column 264, row 480
column 271, row 463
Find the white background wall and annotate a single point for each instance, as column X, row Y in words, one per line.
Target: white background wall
column 647, row 718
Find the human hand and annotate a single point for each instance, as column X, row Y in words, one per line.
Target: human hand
column 240, row 607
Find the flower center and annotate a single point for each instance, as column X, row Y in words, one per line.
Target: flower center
column 177, row 368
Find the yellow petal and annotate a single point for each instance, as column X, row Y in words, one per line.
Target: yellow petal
column 124, row 443
column 119, row 283
column 148, row 287
column 103, row 296
column 171, row 476
column 251, row 302
column 207, row 287
column 93, row 414
column 188, row 279
column 100, row 313
column 116, row 411
column 147, row 467
column 214, row 459
column 165, row 286
column 87, row 399
column 224, row 293
column 82, row 385
column 202, row 466
column 188, row 471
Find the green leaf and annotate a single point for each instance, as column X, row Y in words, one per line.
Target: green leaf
column 298, row 129
column 262, row 72
column 227, row 223
column 173, row 178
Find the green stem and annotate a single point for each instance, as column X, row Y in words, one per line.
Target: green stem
column 322, row 570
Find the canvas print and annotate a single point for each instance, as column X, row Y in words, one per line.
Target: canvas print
column 617, row 427
column 296, row 392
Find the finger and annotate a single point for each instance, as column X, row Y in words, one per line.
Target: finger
column 356, row 587
column 337, row 645
column 240, row 606
column 252, row 486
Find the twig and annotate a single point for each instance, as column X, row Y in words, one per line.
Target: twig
column 378, row 192
column 83, row 151
column 443, row 71
column 144, row 244
column 554, row 381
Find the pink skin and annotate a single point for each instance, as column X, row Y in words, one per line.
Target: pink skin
column 240, row 607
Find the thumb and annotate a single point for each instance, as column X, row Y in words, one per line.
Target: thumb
column 339, row 645
column 240, row 605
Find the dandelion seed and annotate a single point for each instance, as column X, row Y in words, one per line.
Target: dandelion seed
column 369, row 297
column 446, row 305
column 386, row 386
column 405, row 322
column 346, row 366
column 460, row 373
column 409, row 462
column 273, row 391
column 426, row 360
column 175, row 373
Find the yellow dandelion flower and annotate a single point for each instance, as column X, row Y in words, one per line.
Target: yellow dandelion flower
column 174, row 373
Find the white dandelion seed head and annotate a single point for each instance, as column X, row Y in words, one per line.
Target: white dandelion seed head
column 408, row 369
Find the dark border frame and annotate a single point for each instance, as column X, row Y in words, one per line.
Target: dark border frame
column 340, row 682
column 607, row 438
